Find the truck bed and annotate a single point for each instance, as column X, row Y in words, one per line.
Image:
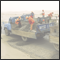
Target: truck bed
column 24, row 33
column 54, row 39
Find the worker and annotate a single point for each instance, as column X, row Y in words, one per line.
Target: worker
column 31, row 21
column 32, row 14
column 18, row 22
column 48, row 14
column 51, row 14
column 43, row 13
column 43, row 20
column 48, row 17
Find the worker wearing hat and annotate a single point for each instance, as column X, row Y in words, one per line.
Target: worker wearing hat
column 51, row 14
column 18, row 21
column 43, row 13
column 48, row 17
column 31, row 21
column 32, row 14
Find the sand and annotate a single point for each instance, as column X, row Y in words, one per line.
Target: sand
column 8, row 52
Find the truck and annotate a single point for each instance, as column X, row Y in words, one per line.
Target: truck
column 24, row 31
column 54, row 34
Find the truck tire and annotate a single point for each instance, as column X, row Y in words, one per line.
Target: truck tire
column 7, row 32
column 56, row 46
column 24, row 38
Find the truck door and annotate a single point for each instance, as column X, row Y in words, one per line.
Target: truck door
column 12, row 22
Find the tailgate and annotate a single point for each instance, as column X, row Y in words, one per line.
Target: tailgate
column 54, row 39
column 44, row 27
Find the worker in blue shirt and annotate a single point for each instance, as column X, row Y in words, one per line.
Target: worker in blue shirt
column 32, row 14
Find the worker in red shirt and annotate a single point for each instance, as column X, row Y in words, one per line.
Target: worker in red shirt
column 18, row 22
column 51, row 14
column 31, row 16
column 31, row 21
column 43, row 13
column 48, row 14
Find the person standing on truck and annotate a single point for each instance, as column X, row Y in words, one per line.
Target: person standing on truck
column 31, row 21
column 48, row 18
column 18, row 22
column 43, row 13
column 51, row 14
column 32, row 14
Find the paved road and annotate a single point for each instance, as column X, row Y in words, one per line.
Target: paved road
column 39, row 48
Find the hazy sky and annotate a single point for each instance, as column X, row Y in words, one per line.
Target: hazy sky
column 28, row 5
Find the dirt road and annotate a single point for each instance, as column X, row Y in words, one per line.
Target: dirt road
column 8, row 52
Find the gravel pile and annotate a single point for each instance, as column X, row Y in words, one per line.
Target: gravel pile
column 26, row 27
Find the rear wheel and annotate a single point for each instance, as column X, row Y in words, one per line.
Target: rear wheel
column 56, row 46
column 7, row 32
column 24, row 38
